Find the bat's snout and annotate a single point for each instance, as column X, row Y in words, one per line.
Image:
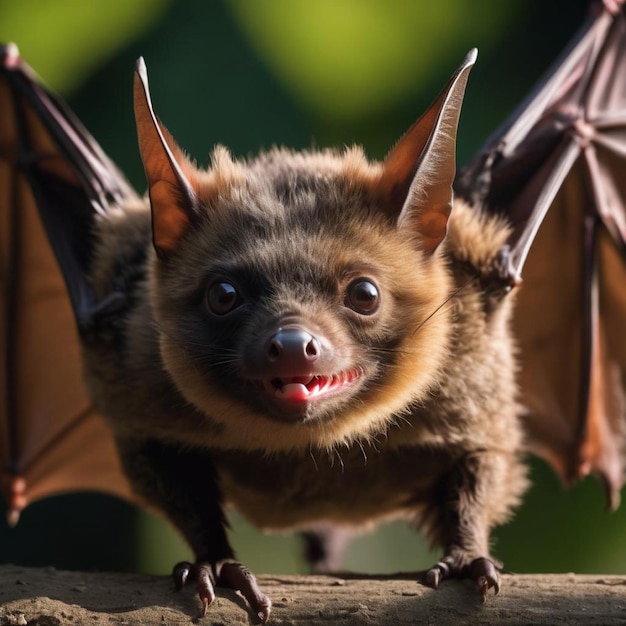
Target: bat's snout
column 293, row 348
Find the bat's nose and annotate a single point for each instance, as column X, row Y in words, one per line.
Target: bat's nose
column 292, row 347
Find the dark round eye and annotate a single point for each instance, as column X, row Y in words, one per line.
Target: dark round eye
column 222, row 298
column 363, row 297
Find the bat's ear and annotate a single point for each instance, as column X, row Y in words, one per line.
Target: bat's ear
column 419, row 171
column 172, row 196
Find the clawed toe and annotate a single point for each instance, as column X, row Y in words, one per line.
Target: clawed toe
column 181, row 573
column 229, row 573
column 432, row 578
column 237, row 576
column 202, row 575
column 440, row 571
column 484, row 572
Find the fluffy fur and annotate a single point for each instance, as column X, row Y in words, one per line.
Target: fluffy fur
column 429, row 431
column 448, row 389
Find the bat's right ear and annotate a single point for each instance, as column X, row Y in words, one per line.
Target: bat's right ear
column 172, row 196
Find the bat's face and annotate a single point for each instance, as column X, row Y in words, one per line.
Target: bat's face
column 300, row 297
column 297, row 302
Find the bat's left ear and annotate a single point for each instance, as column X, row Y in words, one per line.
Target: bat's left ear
column 172, row 195
column 419, row 171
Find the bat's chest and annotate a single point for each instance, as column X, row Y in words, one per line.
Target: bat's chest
column 353, row 486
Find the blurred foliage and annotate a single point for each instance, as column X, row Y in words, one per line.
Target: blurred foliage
column 348, row 59
column 331, row 72
column 65, row 40
column 559, row 530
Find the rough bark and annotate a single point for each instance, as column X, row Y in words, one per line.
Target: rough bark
column 47, row 597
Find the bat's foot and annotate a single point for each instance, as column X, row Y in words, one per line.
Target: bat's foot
column 482, row 570
column 225, row 573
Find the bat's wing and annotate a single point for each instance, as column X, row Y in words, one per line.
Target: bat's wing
column 557, row 170
column 54, row 181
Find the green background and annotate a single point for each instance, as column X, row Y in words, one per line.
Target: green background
column 250, row 74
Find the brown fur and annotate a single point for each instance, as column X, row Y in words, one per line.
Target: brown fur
column 343, row 243
column 456, row 370
column 432, row 432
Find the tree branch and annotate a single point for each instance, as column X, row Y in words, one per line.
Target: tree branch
column 51, row 597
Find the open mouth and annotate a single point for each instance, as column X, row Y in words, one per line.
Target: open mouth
column 308, row 388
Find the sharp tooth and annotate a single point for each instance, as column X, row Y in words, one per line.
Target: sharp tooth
column 301, row 388
column 303, row 380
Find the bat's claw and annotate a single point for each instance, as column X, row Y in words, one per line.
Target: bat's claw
column 432, row 578
column 180, row 574
column 202, row 574
column 227, row 573
column 440, row 571
column 481, row 570
column 484, row 572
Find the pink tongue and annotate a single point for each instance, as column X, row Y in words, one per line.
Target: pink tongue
column 294, row 391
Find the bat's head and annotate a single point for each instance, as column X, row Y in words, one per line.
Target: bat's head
column 300, row 296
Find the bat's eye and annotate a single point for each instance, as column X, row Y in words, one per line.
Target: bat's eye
column 222, row 298
column 362, row 296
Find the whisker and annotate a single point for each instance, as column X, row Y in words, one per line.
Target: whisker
column 385, row 351
column 455, row 293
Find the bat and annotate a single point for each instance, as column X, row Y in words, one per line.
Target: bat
column 278, row 365
column 249, row 343
column 491, row 275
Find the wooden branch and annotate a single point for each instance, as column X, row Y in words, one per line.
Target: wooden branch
column 47, row 596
